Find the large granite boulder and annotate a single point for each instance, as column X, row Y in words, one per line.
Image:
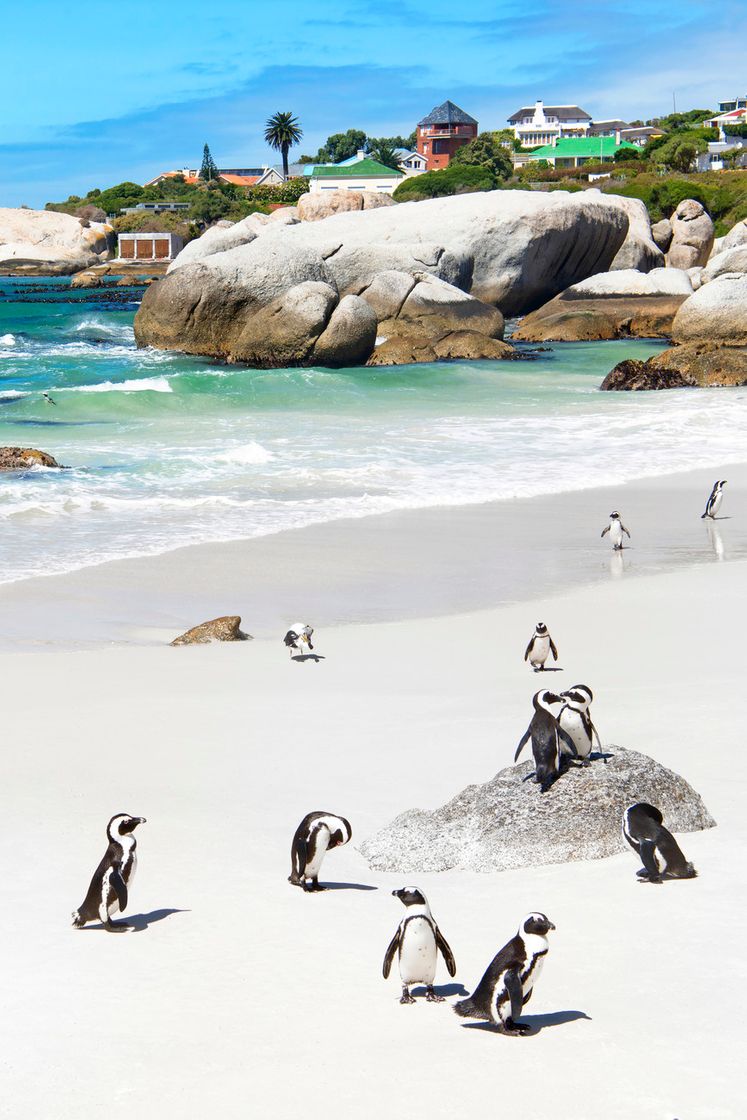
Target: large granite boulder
column 693, row 363
column 316, row 205
column 661, row 233
column 284, row 332
column 727, row 261
column 218, row 239
column 639, row 250
column 23, row 458
column 436, row 308
column 715, row 314
column 227, row 628
column 620, row 304
column 349, row 336
column 512, row 249
column 736, row 236
column 508, row 823
column 692, row 236
column 44, row 243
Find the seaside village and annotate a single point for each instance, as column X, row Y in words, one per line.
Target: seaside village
column 539, row 140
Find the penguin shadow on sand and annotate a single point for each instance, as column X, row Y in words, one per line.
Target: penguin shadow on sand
column 535, row 1023
column 299, row 657
column 344, row 887
column 135, row 923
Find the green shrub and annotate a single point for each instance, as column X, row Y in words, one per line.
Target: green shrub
column 455, row 179
column 484, row 151
column 287, row 193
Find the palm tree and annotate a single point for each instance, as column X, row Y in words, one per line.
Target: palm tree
column 383, row 151
column 282, row 131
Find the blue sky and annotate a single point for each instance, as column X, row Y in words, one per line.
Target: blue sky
column 123, row 91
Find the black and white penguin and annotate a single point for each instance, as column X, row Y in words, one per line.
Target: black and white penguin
column 574, row 719
column 616, row 530
column 713, row 505
column 546, row 736
column 418, row 940
column 643, row 828
column 108, row 891
column 540, row 647
column 316, row 835
column 48, row 399
column 297, row 637
column 510, row 978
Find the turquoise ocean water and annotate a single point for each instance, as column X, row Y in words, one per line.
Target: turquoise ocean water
column 167, row 450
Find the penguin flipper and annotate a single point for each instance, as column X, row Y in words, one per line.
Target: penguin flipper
column 596, row 734
column 625, row 530
column 118, row 885
column 553, row 650
column 562, row 734
column 524, row 740
column 529, row 648
column 446, row 952
column 389, row 955
column 605, row 530
column 512, row 981
column 648, row 858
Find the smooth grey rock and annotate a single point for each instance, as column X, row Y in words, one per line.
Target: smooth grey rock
column 639, row 249
column 507, row 823
column 285, row 331
column 737, row 235
column 317, row 205
column 387, row 292
column 631, row 282
column 692, row 236
column 661, row 233
column 733, row 260
column 350, row 335
column 43, row 242
column 438, row 308
column 218, row 239
column 716, row 314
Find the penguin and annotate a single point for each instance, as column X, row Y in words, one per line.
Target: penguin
column 48, row 399
column 317, row 834
column 298, row 636
column 509, row 981
column 574, row 719
column 111, row 879
column 546, row 736
column 540, row 647
column 418, row 940
column 643, row 828
column 616, row 530
column 713, row 505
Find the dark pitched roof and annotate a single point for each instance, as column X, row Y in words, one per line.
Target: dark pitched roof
column 448, row 113
column 562, row 112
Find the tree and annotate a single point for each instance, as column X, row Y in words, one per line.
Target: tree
column 282, row 132
column 384, row 151
column 454, row 179
column 208, row 170
column 342, row 145
column 484, row 152
column 624, row 154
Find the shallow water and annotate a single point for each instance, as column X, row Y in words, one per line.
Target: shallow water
column 167, row 450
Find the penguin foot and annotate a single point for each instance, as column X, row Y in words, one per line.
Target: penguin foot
column 117, row 927
column 512, row 1028
column 406, row 997
column 646, row 878
column 432, row 997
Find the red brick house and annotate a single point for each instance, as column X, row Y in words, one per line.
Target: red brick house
column 446, row 128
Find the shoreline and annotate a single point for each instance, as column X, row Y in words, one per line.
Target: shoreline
column 409, row 564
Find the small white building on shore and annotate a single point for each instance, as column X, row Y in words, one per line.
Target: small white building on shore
column 362, row 174
column 148, row 246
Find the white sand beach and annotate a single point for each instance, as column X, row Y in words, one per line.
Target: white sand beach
column 239, row 995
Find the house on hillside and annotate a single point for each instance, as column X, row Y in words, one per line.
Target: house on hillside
column 542, row 124
column 238, row 176
column 410, row 163
column 621, row 130
column 364, row 174
column 575, row 153
column 446, row 129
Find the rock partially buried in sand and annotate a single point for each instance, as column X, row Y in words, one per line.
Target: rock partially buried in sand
column 21, row 458
column 223, row 629
column 507, row 823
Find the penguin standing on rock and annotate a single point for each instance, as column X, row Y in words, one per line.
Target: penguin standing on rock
column 546, row 736
column 508, row 984
column 418, row 940
column 297, row 637
column 643, row 828
column 574, row 719
column 713, row 505
column 316, row 835
column 540, row 647
column 616, row 530
column 108, row 891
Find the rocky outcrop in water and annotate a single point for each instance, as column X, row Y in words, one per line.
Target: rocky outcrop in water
column 508, row 250
column 508, row 823
column 227, row 628
column 633, row 374
column 44, row 243
column 620, row 304
column 22, row 458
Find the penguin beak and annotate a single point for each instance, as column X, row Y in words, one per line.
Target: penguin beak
column 550, row 925
column 141, row 820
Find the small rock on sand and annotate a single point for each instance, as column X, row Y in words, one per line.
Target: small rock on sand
column 223, row 629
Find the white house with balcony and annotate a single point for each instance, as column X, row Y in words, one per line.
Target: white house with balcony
column 540, row 124
column 730, row 124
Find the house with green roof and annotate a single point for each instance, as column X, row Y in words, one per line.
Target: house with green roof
column 362, row 174
column 577, row 152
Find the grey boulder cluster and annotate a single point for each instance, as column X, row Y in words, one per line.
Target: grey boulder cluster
column 506, row 824
column 383, row 284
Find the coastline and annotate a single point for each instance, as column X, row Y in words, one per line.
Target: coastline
column 409, row 564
